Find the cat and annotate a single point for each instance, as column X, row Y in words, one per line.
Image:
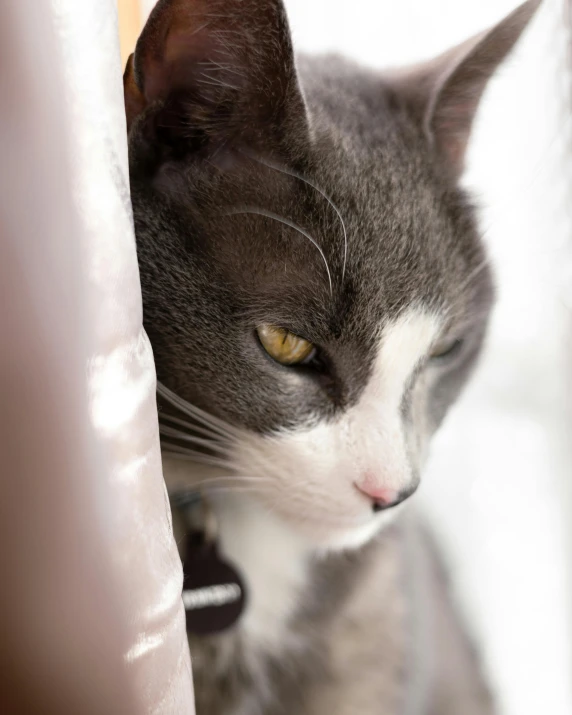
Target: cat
column 316, row 291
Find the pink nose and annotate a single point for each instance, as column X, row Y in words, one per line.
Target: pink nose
column 383, row 497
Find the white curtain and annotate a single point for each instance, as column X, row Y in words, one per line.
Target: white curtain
column 91, row 560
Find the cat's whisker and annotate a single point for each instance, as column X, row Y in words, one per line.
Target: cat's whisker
column 295, row 174
column 239, row 478
column 193, row 428
column 208, row 430
column 291, row 224
column 216, row 432
column 220, row 426
column 220, row 489
column 229, row 483
column 232, row 482
column 185, row 437
column 177, row 452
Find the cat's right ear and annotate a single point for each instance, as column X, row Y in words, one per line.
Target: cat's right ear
column 212, row 73
column 445, row 93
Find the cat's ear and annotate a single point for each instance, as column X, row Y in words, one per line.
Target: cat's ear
column 209, row 72
column 445, row 92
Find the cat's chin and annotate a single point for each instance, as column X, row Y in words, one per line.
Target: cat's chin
column 324, row 535
column 323, row 532
column 328, row 539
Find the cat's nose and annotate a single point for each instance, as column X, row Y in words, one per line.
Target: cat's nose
column 391, row 499
column 384, row 498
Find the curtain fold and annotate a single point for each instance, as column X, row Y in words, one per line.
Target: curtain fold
column 91, row 619
column 121, row 369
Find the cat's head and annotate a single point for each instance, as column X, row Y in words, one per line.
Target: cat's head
column 312, row 274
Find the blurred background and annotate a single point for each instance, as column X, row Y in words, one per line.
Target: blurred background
column 499, row 486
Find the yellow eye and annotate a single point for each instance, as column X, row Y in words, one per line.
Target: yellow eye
column 283, row 346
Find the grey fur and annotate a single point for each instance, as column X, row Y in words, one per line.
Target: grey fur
column 226, row 135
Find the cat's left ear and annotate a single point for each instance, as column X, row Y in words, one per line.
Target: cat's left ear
column 445, row 92
column 206, row 73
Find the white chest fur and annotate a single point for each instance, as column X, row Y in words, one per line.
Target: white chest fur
column 273, row 560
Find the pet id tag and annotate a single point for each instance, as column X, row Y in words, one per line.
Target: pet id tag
column 214, row 595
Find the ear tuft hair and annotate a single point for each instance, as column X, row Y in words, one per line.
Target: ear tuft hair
column 215, row 71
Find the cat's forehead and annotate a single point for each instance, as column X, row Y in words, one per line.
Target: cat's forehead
column 354, row 230
column 344, row 245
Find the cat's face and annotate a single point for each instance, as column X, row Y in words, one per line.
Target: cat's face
column 311, row 273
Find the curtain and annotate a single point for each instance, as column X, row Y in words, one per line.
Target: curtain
column 121, row 370
column 91, row 618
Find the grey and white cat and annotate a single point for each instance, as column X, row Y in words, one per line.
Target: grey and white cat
column 316, row 290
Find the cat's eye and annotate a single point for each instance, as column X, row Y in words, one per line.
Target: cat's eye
column 284, row 346
column 446, row 348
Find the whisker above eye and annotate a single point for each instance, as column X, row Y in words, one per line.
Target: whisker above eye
column 291, row 224
column 295, row 174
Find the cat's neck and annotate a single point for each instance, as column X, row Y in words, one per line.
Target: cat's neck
column 273, row 560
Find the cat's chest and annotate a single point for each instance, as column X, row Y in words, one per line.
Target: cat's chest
column 272, row 561
column 318, row 635
column 275, row 566
column 344, row 650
